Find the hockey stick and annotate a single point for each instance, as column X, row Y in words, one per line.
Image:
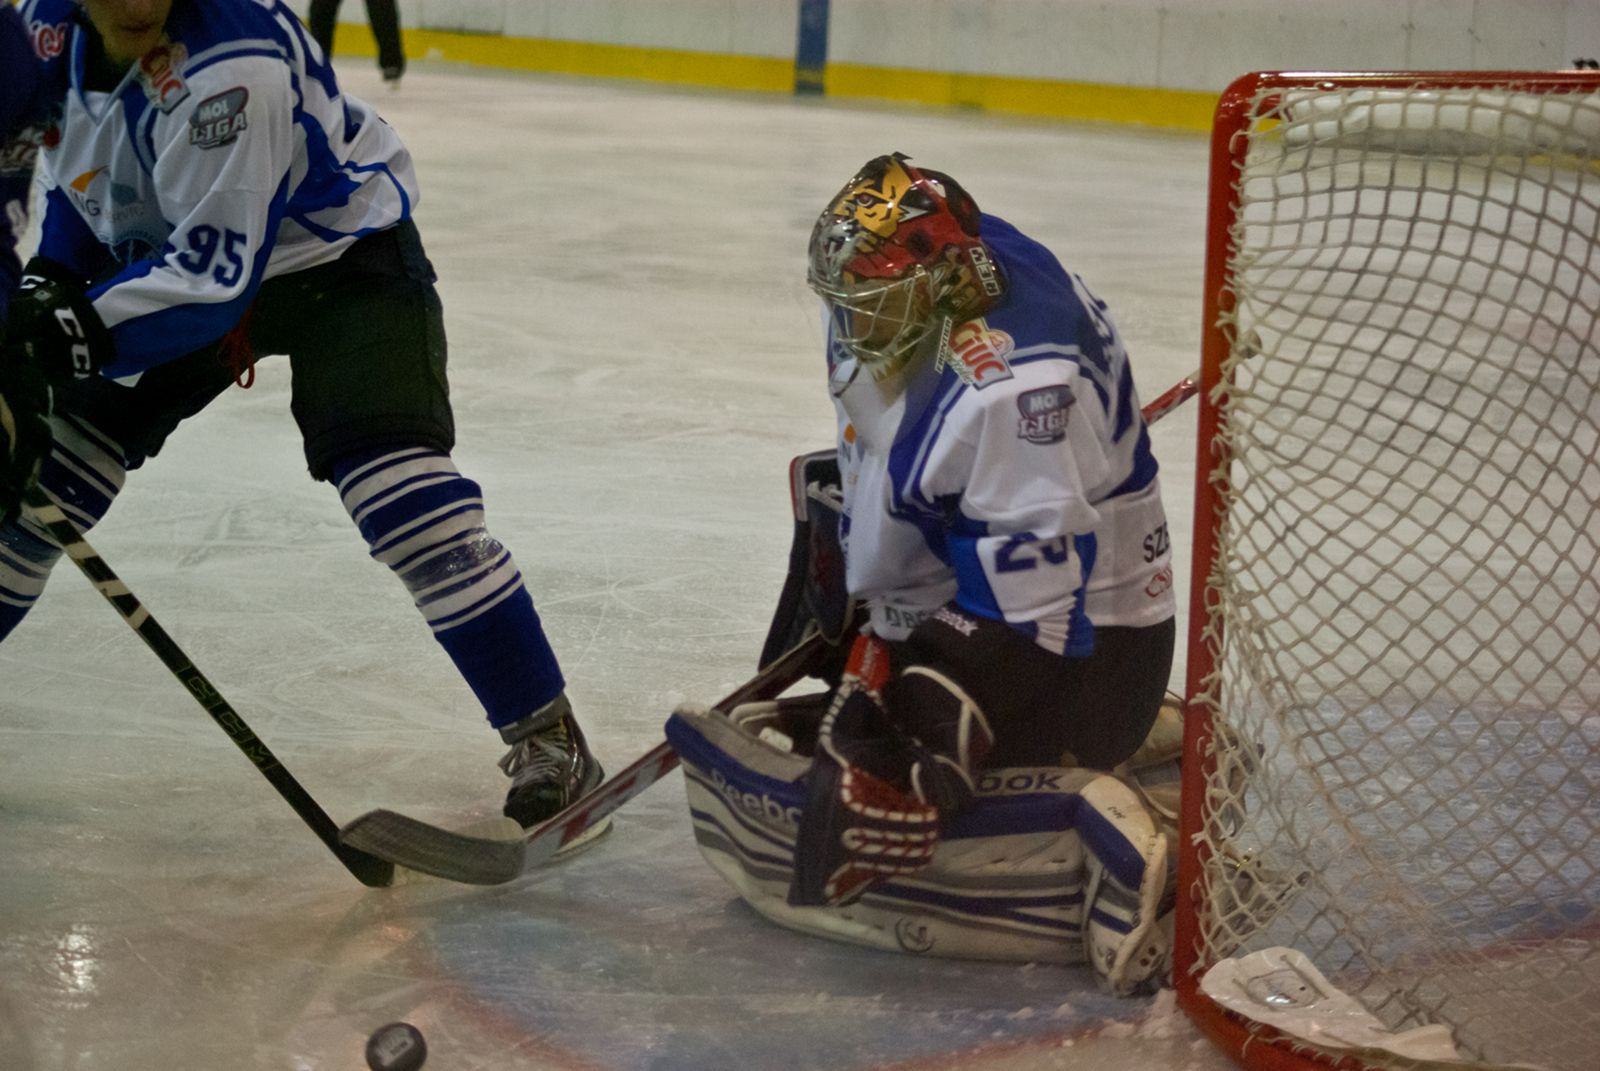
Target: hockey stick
column 1172, row 397
column 486, row 861
column 368, row 869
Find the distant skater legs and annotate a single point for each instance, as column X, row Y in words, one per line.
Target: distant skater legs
column 382, row 16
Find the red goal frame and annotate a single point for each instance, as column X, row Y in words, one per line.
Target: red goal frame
column 1252, row 1046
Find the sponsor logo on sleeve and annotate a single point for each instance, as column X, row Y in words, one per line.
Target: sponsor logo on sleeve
column 218, row 120
column 158, row 74
column 1044, row 413
column 977, row 352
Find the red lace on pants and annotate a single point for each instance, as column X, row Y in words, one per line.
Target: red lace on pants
column 235, row 348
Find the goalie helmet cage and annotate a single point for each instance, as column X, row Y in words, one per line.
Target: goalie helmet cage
column 1393, row 688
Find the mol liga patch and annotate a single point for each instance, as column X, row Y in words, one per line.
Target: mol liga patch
column 218, row 120
column 1044, row 413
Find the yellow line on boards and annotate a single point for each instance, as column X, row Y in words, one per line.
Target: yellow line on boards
column 1041, row 98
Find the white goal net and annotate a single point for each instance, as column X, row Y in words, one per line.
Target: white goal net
column 1394, row 688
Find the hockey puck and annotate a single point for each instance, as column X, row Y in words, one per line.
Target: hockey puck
column 396, row 1047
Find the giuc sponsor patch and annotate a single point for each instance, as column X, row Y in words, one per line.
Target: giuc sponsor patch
column 160, row 73
column 977, row 352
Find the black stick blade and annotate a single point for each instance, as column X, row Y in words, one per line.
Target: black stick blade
column 419, row 846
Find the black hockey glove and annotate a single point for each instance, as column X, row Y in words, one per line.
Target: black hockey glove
column 54, row 327
column 24, row 431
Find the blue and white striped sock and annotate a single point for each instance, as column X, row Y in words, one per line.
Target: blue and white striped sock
column 425, row 521
column 83, row 473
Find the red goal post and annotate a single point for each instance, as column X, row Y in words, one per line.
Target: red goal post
column 1392, row 751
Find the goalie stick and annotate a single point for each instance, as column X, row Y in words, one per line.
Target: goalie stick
column 473, row 860
column 368, row 869
column 487, row 861
column 1172, row 397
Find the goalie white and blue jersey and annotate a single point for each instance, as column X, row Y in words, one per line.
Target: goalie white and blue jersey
column 226, row 156
column 1013, row 476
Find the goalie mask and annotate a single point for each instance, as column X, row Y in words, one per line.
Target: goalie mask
column 895, row 253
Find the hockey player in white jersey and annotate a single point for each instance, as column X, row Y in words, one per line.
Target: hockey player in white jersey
column 996, row 502
column 213, row 197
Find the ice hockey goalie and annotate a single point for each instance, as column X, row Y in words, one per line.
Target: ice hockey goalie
column 991, row 507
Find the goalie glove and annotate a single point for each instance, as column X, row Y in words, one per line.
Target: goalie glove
column 54, row 327
column 860, row 823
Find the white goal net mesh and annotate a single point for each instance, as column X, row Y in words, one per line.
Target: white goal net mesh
column 1402, row 644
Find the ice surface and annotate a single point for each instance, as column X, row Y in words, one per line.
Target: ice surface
column 634, row 360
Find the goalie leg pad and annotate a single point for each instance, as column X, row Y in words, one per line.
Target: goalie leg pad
column 1005, row 882
column 1046, row 865
column 789, row 723
column 1127, row 938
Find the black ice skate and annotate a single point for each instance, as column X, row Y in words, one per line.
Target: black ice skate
column 550, row 767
